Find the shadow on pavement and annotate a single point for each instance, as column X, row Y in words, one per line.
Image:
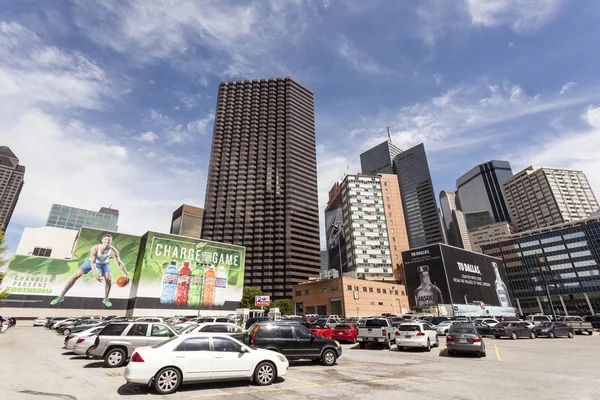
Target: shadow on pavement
column 95, row 364
column 131, row 389
column 68, row 353
column 79, row 358
column 444, row 353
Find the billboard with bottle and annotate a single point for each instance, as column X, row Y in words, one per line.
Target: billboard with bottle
column 441, row 274
column 97, row 276
column 185, row 273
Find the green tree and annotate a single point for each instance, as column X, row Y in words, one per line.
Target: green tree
column 250, row 292
column 3, row 262
column 285, row 306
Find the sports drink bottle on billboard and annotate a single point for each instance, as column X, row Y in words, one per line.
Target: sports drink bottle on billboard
column 501, row 289
column 427, row 294
column 183, row 285
column 208, row 294
column 169, row 284
column 220, row 287
column 196, row 284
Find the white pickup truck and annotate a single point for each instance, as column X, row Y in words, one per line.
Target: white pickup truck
column 578, row 324
column 376, row 330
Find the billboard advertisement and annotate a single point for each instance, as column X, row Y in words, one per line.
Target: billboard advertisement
column 97, row 276
column 185, row 273
column 335, row 237
column 262, row 301
column 440, row 274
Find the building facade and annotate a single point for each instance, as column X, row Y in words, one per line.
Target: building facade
column 565, row 258
column 487, row 234
column 539, row 197
column 418, row 197
column 478, row 219
column 324, row 260
column 334, row 221
column 187, row 221
column 379, row 159
column 47, row 242
column 480, row 190
column 76, row 218
column 11, row 183
column 349, row 297
column 262, row 181
column 453, row 221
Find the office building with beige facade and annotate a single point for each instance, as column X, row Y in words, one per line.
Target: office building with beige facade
column 487, row 234
column 350, row 297
column 539, row 197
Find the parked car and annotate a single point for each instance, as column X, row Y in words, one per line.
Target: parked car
column 538, row 319
column 116, row 342
column 416, row 334
column 79, row 326
column 464, row 338
column 344, row 332
column 376, row 330
column 321, row 329
column 252, row 321
column 294, row 341
column 53, row 321
column 553, row 329
column 62, row 322
column 179, row 328
column 594, row 319
column 72, row 340
column 578, row 324
column 85, row 341
column 40, row 321
column 444, row 327
column 228, row 328
column 436, row 320
column 514, row 330
column 150, row 319
column 482, row 329
column 487, row 321
column 202, row 357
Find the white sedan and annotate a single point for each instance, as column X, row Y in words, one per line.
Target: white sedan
column 78, row 338
column 416, row 334
column 201, row 357
column 40, row 321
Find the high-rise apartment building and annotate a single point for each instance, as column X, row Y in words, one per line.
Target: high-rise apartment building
column 480, row 190
column 379, row 159
column 478, row 219
column 76, row 218
column 418, row 198
column 324, row 260
column 262, row 181
column 11, row 183
column 538, row 197
column 454, row 222
column 373, row 227
column 187, row 221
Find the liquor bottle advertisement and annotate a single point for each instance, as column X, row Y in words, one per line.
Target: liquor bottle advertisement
column 186, row 273
column 440, row 274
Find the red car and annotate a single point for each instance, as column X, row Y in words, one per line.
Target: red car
column 345, row 332
column 321, row 330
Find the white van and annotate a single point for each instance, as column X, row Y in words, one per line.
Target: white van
column 538, row 319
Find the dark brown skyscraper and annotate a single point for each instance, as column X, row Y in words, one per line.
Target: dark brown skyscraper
column 262, row 181
column 11, row 183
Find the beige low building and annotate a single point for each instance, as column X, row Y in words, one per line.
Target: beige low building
column 350, row 297
column 489, row 234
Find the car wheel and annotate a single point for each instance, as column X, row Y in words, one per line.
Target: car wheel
column 551, row 335
column 354, row 340
column 386, row 344
column 451, row 352
column 400, row 348
column 590, row 333
column 446, row 332
column 497, row 337
column 514, row 336
column 362, row 345
column 66, row 332
column 114, row 358
column 428, row 347
column 167, row 380
column 570, row 335
column 532, row 335
column 264, row 374
column 437, row 341
column 482, row 354
column 329, row 357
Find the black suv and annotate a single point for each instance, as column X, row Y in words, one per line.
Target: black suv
column 293, row 341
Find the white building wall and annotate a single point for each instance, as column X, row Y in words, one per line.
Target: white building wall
column 60, row 240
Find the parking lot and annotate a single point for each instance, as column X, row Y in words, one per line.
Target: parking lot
column 35, row 366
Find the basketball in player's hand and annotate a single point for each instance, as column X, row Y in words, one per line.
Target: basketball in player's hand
column 121, row 281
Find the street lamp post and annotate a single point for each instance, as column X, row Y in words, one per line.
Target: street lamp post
column 393, row 299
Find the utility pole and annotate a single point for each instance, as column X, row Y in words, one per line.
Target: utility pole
column 467, row 304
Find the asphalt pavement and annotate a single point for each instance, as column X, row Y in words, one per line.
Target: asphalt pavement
column 34, row 367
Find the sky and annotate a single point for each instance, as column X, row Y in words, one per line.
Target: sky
column 111, row 103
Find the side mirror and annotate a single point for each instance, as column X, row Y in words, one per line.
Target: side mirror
column 244, row 349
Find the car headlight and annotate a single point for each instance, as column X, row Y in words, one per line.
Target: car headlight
column 282, row 358
column 337, row 343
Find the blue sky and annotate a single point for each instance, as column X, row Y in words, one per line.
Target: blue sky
column 112, row 102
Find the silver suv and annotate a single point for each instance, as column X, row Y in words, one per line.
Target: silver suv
column 117, row 341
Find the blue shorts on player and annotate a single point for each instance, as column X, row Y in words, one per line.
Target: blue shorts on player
column 102, row 268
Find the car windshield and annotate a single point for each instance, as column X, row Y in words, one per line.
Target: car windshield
column 189, row 328
column 462, row 329
column 165, row 342
column 180, row 328
column 376, row 323
column 320, row 325
column 540, row 318
column 502, row 324
column 342, row 326
column 409, row 328
column 546, row 324
column 444, row 323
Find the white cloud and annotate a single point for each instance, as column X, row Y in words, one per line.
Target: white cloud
column 44, row 92
column 149, row 137
column 359, row 60
column 567, row 86
column 519, row 15
column 592, row 116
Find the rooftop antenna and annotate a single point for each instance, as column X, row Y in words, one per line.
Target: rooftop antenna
column 389, row 134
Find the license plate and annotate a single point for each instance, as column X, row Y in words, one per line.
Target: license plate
column 407, row 337
column 463, row 340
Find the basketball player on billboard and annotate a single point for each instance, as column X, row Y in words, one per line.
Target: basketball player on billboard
column 99, row 264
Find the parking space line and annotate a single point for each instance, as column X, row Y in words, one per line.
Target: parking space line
column 497, row 352
column 308, row 369
column 301, row 381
